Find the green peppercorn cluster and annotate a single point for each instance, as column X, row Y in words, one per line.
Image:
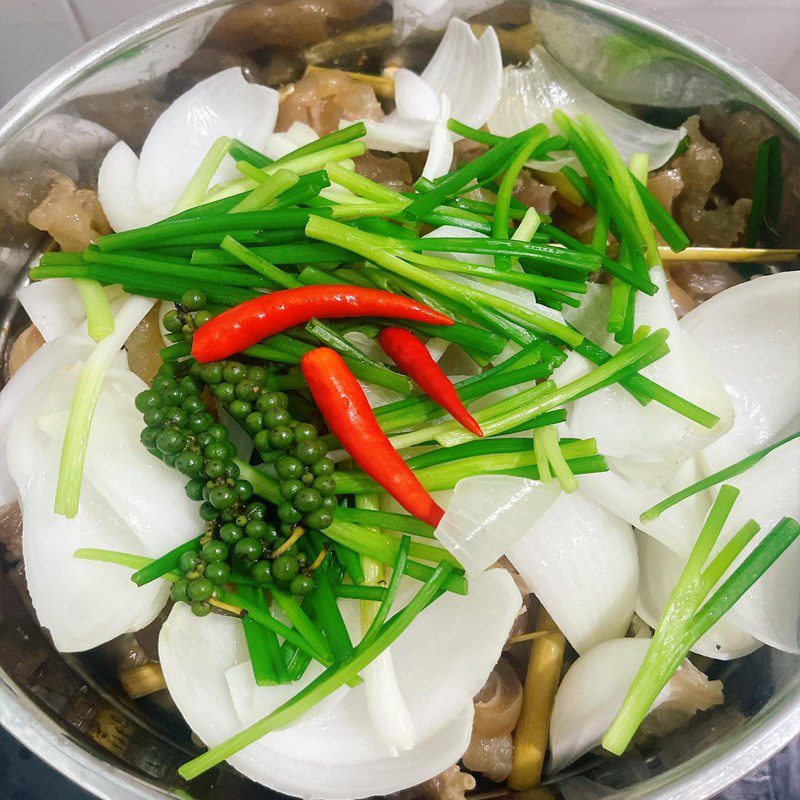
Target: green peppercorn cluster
column 298, row 454
column 240, row 539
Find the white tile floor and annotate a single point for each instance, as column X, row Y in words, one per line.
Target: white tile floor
column 36, row 33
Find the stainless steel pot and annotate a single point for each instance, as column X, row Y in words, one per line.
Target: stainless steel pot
column 68, row 709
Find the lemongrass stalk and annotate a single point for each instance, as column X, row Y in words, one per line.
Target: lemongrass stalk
column 275, row 185
column 99, row 319
column 196, row 189
column 84, row 402
column 733, row 254
column 533, row 727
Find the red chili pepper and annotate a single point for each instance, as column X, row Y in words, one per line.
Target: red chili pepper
column 411, row 355
column 342, row 402
column 241, row 326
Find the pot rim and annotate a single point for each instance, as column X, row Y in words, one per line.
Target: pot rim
column 699, row 777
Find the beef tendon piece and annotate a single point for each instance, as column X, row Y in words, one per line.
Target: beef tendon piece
column 738, row 136
column 690, row 181
column 144, row 346
column 129, row 113
column 393, row 172
column 253, row 26
column 491, row 757
column 701, row 280
column 323, row 98
column 72, row 216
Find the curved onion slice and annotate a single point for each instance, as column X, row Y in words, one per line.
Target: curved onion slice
column 770, row 609
column 749, row 333
column 466, row 69
column 488, row 514
column 281, row 144
column 646, row 444
column 223, row 105
column 118, row 192
column 414, row 97
column 660, row 569
column 103, row 603
column 139, row 191
column 442, row 660
column 596, row 684
column 82, row 603
column 580, row 561
column 54, row 307
column 440, row 154
column 532, row 93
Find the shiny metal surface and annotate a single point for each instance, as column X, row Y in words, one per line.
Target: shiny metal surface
column 67, row 709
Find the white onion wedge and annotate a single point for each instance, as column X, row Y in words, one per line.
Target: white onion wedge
column 580, row 561
column 489, row 514
column 82, row 603
column 596, row 684
column 414, row 97
column 533, row 92
column 54, row 307
column 750, row 333
column 118, row 191
column 281, row 144
column 223, row 105
column 466, row 69
column 442, row 660
column 770, row 609
column 660, row 569
column 647, row 444
column 139, row 191
column 440, row 154
column 469, row 70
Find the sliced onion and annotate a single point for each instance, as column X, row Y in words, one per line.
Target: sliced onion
column 660, row 569
column 489, row 514
column 750, row 333
column 223, row 105
column 118, row 191
column 594, row 687
column 54, row 307
column 770, row 609
column 532, row 93
column 103, row 602
column 139, row 191
column 466, row 69
column 414, row 97
column 469, row 70
column 440, row 154
column 580, row 561
column 453, row 232
column 281, row 144
column 442, row 660
column 646, row 444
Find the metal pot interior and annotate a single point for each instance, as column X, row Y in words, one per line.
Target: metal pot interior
column 70, row 708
